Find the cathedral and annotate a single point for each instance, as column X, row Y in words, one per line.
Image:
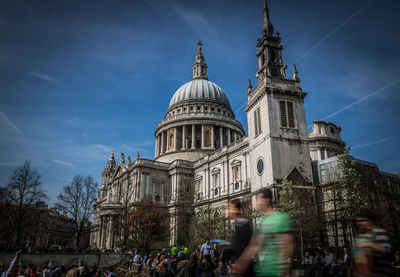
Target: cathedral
column 204, row 152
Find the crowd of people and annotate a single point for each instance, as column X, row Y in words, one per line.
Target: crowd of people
column 266, row 250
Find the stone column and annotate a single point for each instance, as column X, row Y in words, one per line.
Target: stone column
column 221, row 139
column 156, row 147
column 234, row 136
column 109, row 233
column 175, row 137
column 166, row 150
column 183, row 137
column 319, row 154
column 212, row 137
column 100, row 240
column 229, row 135
column 326, row 152
column 159, row 144
column 112, row 232
column 162, row 142
column 202, row 136
column 193, row 136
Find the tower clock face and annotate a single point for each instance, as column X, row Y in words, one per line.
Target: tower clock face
column 260, row 166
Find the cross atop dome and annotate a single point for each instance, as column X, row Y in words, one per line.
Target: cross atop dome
column 200, row 66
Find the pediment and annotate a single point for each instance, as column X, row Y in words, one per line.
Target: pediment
column 236, row 162
column 121, row 168
column 297, row 178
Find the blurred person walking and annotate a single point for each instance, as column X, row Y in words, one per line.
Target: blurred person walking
column 372, row 251
column 271, row 241
column 243, row 232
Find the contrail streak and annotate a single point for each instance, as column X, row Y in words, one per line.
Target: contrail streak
column 362, row 99
column 375, row 142
column 241, row 107
column 334, row 30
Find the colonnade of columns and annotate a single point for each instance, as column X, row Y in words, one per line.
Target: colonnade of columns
column 194, row 136
column 106, row 235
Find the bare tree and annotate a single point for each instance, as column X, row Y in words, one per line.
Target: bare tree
column 18, row 198
column 77, row 200
column 126, row 203
column 146, row 224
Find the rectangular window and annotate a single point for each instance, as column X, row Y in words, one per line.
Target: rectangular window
column 287, row 114
column 236, row 173
column 257, row 121
column 323, row 173
column 216, row 180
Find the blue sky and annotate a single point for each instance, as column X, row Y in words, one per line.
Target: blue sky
column 78, row 78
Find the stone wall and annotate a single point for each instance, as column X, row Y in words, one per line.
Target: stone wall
column 102, row 260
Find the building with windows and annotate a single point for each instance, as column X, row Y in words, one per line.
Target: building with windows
column 203, row 157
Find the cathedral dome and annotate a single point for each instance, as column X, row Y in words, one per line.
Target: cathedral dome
column 200, row 90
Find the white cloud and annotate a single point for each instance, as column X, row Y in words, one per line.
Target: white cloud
column 73, row 121
column 43, row 76
column 146, row 143
column 63, row 162
column 197, row 22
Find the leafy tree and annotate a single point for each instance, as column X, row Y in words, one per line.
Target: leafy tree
column 299, row 203
column 77, row 200
column 18, row 198
column 350, row 194
column 345, row 197
column 210, row 223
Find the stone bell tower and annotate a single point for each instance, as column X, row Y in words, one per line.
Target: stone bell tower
column 276, row 117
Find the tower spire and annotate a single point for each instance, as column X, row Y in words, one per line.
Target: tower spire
column 267, row 27
column 112, row 155
column 200, row 66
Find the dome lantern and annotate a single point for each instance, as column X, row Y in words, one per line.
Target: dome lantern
column 200, row 66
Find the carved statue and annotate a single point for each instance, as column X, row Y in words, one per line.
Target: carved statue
column 137, row 156
column 129, row 159
column 122, row 158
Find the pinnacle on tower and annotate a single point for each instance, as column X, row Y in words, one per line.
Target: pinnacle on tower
column 250, row 87
column 112, row 155
column 267, row 27
column 295, row 73
column 200, row 66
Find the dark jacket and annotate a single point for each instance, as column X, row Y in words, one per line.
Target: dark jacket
column 242, row 236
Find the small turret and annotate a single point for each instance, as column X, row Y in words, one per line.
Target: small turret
column 295, row 74
column 108, row 169
column 325, row 140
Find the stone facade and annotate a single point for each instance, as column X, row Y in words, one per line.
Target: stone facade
column 203, row 157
